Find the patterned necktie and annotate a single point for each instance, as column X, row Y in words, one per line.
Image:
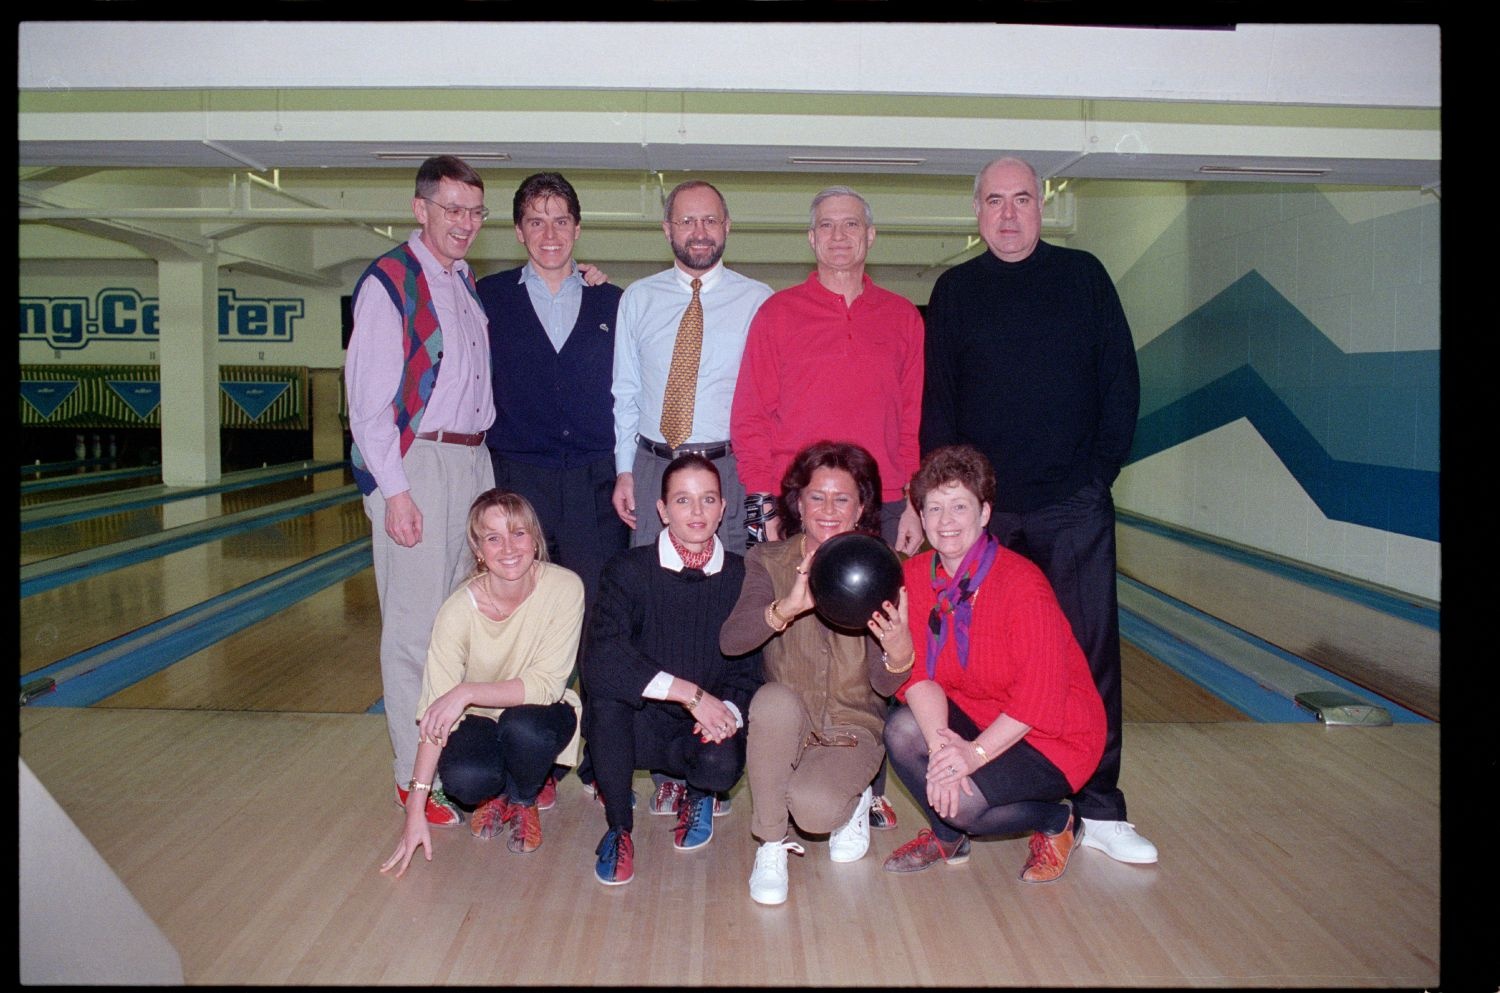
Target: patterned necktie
column 682, row 378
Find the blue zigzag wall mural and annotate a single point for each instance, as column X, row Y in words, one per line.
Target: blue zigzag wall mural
column 1249, row 353
column 1289, row 343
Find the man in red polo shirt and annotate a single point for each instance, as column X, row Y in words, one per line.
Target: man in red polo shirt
column 835, row 357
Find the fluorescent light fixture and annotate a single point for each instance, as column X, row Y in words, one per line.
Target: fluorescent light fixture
column 1304, row 171
column 848, row 160
column 424, row 156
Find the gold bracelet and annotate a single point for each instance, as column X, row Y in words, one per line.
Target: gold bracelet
column 984, row 756
column 697, row 699
column 414, row 785
column 773, row 615
column 906, row 668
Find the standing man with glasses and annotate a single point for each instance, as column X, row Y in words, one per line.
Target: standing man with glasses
column 418, row 381
column 677, row 357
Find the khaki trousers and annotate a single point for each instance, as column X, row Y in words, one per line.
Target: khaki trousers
column 413, row 582
column 818, row 786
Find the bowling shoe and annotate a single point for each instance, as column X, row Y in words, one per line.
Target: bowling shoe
column 489, row 817
column 439, row 809
column 695, row 822
column 925, row 850
column 547, row 798
column 668, row 796
column 616, row 863
column 1118, row 840
column 882, row 814
column 849, row 842
column 1049, row 854
column 768, row 880
column 525, row 829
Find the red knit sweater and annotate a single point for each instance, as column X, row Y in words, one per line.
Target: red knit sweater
column 1023, row 661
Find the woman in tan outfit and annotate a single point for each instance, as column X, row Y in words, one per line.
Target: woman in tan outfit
column 814, row 739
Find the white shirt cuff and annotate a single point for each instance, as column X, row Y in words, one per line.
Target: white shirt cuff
column 658, row 687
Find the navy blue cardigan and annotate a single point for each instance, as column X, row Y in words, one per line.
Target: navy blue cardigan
column 552, row 409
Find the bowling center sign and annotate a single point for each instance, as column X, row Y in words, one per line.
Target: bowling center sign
column 119, row 314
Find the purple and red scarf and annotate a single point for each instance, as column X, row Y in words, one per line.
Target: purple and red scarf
column 954, row 609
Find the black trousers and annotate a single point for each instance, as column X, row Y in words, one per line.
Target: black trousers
column 626, row 738
column 485, row 757
column 1073, row 543
column 573, row 506
column 1021, row 787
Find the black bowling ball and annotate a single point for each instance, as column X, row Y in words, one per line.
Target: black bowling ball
column 851, row 575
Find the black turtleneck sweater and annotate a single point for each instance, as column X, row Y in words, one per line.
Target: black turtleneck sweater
column 1032, row 363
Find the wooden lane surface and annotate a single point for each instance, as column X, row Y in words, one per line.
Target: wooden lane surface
column 1152, row 691
column 1391, row 656
column 64, row 539
column 1292, row 855
column 69, row 619
column 320, row 655
column 83, row 486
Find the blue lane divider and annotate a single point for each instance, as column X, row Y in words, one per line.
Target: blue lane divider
column 90, row 676
column 1223, row 681
column 90, row 507
column 38, row 577
column 1388, row 603
column 88, row 479
column 1232, row 686
column 41, row 467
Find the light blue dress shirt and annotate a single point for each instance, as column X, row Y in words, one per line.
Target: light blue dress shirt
column 558, row 313
column 645, row 333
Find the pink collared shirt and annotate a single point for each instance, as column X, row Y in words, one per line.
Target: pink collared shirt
column 462, row 399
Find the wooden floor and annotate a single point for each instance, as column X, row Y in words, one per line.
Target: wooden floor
column 1292, row 855
column 243, row 795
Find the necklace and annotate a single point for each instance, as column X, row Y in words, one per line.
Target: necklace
column 484, row 587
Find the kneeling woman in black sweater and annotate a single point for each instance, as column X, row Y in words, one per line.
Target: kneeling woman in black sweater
column 660, row 694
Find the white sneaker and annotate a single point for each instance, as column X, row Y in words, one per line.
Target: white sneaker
column 768, row 880
column 850, row 842
column 1118, row 840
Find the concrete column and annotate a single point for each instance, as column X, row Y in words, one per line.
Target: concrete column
column 189, row 292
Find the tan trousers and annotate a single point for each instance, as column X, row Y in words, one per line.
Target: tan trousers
column 817, row 786
column 413, row 582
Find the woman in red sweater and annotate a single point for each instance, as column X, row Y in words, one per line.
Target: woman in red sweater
column 1001, row 720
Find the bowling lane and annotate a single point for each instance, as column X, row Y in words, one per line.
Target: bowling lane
column 1393, row 657
column 320, row 655
column 64, row 539
column 1153, row 692
column 69, row 619
column 58, row 488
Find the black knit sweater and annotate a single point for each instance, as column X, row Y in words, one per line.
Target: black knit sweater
column 648, row 620
column 1032, row 363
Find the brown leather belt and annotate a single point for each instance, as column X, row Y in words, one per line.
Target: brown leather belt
column 452, row 437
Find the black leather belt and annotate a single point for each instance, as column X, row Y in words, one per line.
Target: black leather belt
column 711, row 450
column 452, row 437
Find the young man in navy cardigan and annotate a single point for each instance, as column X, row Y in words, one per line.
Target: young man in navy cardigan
column 552, row 342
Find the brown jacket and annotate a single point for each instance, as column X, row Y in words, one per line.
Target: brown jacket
column 842, row 677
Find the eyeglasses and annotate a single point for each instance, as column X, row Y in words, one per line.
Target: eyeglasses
column 456, row 214
column 710, row 223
